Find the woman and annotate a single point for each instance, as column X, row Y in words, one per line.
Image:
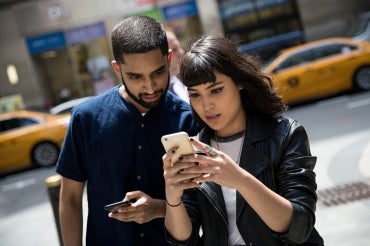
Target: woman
column 256, row 184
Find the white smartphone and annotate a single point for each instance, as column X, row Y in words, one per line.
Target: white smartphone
column 180, row 141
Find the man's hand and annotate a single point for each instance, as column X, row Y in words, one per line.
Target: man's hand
column 144, row 209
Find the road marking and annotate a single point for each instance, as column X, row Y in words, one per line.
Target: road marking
column 360, row 103
column 18, row 185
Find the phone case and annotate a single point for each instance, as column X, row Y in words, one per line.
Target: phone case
column 114, row 206
column 181, row 141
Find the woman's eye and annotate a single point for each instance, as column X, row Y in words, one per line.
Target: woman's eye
column 193, row 95
column 218, row 90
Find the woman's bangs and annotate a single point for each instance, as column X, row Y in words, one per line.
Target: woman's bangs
column 198, row 71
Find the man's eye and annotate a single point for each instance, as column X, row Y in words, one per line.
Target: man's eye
column 134, row 76
column 158, row 73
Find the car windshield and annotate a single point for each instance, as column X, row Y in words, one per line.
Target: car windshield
column 14, row 123
column 270, row 60
column 359, row 27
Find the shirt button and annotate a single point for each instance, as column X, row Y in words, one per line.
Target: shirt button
column 139, row 147
column 142, row 125
column 141, row 234
column 138, row 177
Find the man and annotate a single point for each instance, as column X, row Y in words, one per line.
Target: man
column 176, row 86
column 113, row 144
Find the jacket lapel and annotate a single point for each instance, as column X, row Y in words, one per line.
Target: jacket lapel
column 213, row 192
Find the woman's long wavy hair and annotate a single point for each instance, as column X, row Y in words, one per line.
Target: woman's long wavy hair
column 215, row 52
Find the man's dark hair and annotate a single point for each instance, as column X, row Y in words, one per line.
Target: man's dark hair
column 138, row 34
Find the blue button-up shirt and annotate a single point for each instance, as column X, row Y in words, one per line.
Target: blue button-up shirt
column 116, row 149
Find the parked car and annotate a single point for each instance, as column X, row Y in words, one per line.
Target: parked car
column 67, row 106
column 30, row 138
column 321, row 68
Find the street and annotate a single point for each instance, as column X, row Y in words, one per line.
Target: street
column 339, row 133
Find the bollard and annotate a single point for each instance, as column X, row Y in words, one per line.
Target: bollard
column 53, row 184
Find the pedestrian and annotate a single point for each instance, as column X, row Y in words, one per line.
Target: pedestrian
column 255, row 185
column 176, row 86
column 113, row 144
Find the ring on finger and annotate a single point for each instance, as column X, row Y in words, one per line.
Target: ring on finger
column 210, row 151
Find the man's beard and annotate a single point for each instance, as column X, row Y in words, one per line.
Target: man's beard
column 139, row 98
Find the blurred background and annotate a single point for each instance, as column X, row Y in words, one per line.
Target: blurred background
column 42, row 40
column 57, row 53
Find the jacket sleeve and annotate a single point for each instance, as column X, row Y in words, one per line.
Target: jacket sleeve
column 296, row 181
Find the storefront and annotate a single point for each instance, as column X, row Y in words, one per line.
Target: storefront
column 262, row 26
column 74, row 61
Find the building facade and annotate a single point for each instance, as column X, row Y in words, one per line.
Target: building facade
column 61, row 49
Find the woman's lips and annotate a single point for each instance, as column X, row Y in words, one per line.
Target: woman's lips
column 213, row 117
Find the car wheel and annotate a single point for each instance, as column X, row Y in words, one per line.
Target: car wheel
column 45, row 154
column 362, row 78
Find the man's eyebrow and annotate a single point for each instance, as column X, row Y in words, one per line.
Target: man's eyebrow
column 160, row 69
column 139, row 74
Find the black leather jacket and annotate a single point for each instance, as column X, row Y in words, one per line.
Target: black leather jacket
column 277, row 152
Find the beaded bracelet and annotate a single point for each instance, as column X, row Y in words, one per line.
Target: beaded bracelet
column 176, row 205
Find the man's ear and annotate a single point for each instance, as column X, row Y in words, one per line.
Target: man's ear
column 169, row 56
column 116, row 66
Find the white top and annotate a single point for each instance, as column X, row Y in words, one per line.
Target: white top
column 233, row 149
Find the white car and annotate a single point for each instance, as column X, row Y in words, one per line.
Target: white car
column 66, row 107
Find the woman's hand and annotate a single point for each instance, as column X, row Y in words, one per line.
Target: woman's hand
column 215, row 166
column 176, row 179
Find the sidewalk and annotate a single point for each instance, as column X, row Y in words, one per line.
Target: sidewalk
column 341, row 161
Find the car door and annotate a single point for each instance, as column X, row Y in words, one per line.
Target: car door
column 13, row 148
column 293, row 77
column 335, row 64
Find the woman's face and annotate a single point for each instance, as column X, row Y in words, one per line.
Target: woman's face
column 218, row 104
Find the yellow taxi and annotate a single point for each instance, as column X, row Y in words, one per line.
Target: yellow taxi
column 321, row 68
column 29, row 138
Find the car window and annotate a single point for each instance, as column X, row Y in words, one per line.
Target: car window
column 331, row 50
column 295, row 60
column 10, row 124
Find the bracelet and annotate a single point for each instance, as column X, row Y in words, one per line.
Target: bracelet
column 176, row 205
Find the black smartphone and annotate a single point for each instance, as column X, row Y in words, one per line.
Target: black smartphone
column 114, row 206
